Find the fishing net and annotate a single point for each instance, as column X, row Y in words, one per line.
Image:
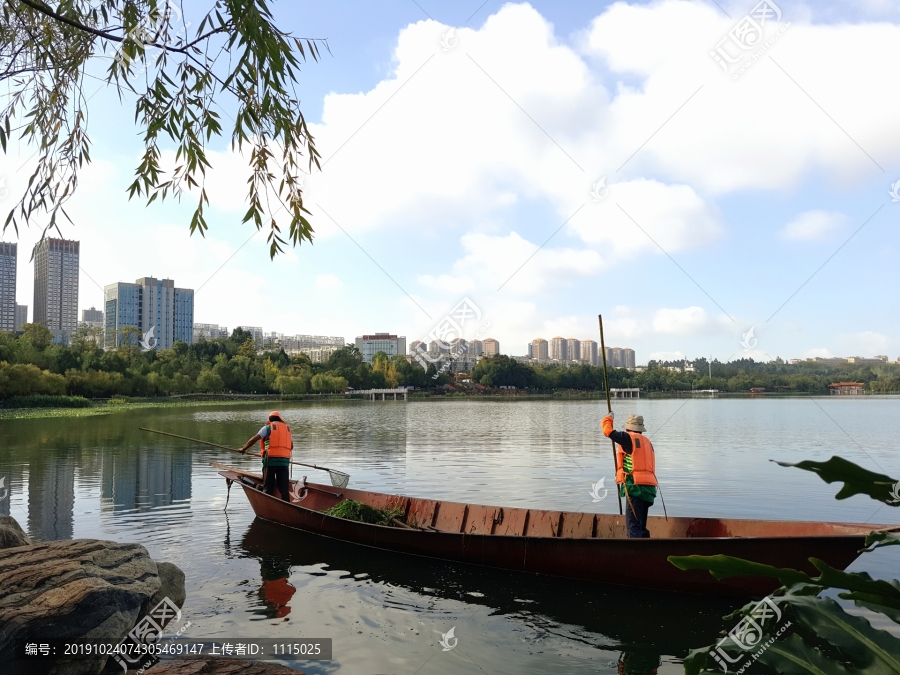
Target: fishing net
column 339, row 479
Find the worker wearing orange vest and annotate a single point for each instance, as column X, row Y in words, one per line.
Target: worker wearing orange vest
column 635, row 472
column 275, row 443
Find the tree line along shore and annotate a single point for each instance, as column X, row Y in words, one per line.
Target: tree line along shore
column 31, row 365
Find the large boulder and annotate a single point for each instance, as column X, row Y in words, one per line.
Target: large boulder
column 216, row 666
column 82, row 588
column 11, row 533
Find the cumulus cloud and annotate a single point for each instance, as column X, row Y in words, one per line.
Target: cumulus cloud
column 813, row 225
column 328, row 281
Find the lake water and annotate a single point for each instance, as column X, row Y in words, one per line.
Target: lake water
column 100, row 477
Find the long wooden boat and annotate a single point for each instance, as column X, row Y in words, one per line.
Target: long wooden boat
column 585, row 546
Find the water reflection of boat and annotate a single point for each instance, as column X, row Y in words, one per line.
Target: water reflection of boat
column 592, row 612
column 585, row 546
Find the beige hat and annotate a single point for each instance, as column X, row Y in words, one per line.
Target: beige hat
column 635, row 423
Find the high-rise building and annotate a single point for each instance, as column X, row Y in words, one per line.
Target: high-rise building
column 8, row 256
column 617, row 357
column 369, row 345
column 415, row 348
column 162, row 313
column 21, row 315
column 56, row 285
column 589, row 352
column 491, row 347
column 539, row 349
column 209, row 331
column 92, row 315
column 628, row 357
column 476, row 347
column 255, row 332
column 573, row 349
column 558, row 348
column 529, row 352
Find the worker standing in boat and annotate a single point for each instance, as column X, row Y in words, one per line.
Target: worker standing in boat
column 276, row 443
column 635, row 471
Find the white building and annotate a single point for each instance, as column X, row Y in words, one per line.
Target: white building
column 209, row 331
column 162, row 313
column 369, row 345
column 56, row 285
column 573, row 349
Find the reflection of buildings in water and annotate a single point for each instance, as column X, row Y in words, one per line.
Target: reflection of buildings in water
column 10, row 486
column 146, row 480
column 51, row 499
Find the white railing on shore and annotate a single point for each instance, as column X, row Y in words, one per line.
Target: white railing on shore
column 373, row 393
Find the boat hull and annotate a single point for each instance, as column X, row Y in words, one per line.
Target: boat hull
column 605, row 557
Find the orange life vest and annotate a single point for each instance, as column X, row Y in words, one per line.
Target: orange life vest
column 279, row 442
column 643, row 461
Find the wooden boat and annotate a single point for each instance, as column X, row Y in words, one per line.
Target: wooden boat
column 585, row 546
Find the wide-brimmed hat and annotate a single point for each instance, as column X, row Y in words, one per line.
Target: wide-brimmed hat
column 635, row 423
column 276, row 414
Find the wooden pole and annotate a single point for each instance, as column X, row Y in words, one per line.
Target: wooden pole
column 608, row 403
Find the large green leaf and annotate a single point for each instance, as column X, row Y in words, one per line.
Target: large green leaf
column 792, row 656
column 856, row 479
column 725, row 566
column 881, row 538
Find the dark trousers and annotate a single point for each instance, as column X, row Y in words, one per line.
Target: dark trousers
column 636, row 520
column 281, row 476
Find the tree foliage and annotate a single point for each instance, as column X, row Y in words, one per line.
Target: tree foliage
column 182, row 80
column 826, row 638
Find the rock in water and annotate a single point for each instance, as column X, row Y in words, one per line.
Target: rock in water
column 216, row 666
column 83, row 588
column 11, row 534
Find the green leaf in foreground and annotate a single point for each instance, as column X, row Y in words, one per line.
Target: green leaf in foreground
column 856, row 479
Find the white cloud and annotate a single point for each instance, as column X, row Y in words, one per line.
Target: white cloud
column 865, row 343
column 813, row 225
column 328, row 281
column 687, row 321
column 667, row 356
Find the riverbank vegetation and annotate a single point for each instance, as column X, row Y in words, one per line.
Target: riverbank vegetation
column 736, row 376
column 32, row 366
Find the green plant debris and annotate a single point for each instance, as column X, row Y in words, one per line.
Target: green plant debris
column 353, row 510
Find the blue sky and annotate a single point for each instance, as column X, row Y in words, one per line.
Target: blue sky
column 462, row 165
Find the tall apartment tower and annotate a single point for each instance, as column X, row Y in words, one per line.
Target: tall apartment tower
column 628, row 357
column 56, row 284
column 539, row 349
column 573, row 349
column 8, row 255
column 21, row 315
column 162, row 313
column 491, row 347
column 589, row 352
column 558, row 348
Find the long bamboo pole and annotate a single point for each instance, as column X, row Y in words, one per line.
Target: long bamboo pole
column 608, row 403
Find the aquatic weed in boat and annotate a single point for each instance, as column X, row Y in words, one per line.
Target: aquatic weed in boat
column 353, row 510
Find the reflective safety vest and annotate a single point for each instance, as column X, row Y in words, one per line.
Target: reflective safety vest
column 279, row 442
column 643, row 461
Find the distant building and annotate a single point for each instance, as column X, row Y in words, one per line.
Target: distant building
column 589, row 352
column 491, row 347
column 573, row 349
column 476, row 347
column 162, row 313
column 529, row 353
column 21, row 316
column 8, row 257
column 209, row 331
column 320, row 354
column 628, row 359
column 620, row 357
column 56, row 264
column 301, row 344
column 540, row 349
column 558, row 348
column 91, row 315
column 417, row 346
column 392, row 345
column 847, row 388
column 255, row 332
